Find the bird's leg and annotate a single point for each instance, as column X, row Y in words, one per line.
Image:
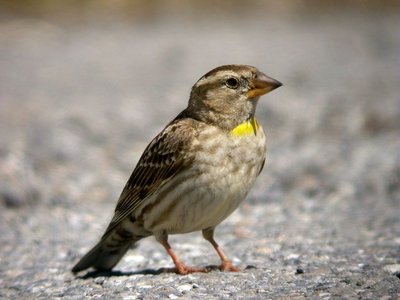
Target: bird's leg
column 180, row 267
column 226, row 264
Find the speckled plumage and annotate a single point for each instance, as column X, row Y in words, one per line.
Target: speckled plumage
column 196, row 172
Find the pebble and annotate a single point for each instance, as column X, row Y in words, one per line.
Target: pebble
column 395, row 268
column 185, row 287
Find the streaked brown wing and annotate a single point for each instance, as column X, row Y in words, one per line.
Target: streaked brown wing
column 164, row 157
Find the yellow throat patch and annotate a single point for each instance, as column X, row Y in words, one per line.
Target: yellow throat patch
column 246, row 128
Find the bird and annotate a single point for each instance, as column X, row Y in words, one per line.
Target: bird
column 194, row 173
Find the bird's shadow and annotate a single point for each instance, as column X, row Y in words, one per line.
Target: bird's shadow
column 110, row 273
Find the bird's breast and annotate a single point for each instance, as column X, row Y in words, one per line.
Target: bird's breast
column 228, row 165
column 224, row 169
column 233, row 160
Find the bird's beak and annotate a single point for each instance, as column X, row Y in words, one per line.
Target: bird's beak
column 262, row 84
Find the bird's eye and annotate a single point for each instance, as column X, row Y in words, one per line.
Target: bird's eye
column 232, row 83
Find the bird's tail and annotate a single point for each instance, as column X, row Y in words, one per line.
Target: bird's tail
column 108, row 252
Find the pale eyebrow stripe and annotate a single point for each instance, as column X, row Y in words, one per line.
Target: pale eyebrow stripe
column 218, row 75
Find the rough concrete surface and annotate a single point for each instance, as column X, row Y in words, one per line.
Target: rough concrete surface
column 79, row 101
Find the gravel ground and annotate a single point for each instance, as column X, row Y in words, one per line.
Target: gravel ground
column 79, row 101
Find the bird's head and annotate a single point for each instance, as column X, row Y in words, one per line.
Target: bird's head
column 228, row 95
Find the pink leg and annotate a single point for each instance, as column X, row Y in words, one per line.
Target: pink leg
column 180, row 267
column 226, row 264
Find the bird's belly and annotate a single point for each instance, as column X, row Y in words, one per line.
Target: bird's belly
column 203, row 196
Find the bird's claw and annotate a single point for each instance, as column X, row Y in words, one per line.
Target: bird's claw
column 184, row 270
column 227, row 266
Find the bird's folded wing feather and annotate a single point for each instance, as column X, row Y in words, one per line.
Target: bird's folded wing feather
column 163, row 158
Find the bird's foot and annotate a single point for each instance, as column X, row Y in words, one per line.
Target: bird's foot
column 227, row 266
column 184, row 270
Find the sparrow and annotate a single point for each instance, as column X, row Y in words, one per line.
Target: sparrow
column 195, row 172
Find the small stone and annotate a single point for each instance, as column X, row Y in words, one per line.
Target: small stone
column 99, row 280
column 395, row 268
column 185, row 287
column 293, row 256
column 299, row 271
column 249, row 267
column 172, row 296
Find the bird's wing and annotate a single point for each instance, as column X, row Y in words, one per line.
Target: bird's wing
column 262, row 167
column 163, row 158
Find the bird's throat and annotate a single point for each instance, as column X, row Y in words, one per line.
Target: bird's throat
column 246, row 128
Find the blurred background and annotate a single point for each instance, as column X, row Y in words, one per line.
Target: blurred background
column 85, row 85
